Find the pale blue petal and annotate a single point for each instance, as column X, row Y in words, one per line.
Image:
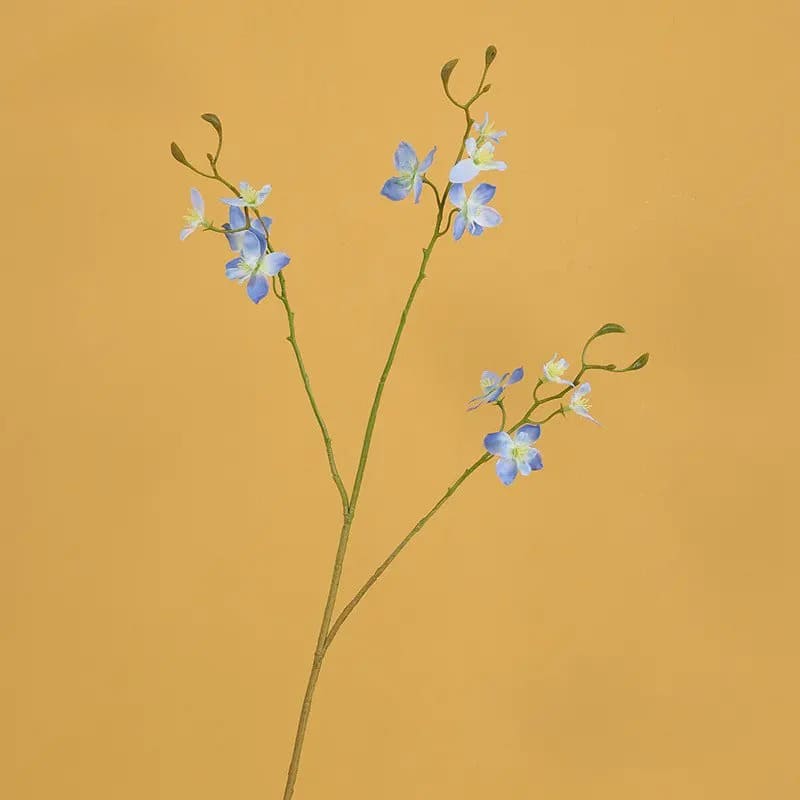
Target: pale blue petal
column 417, row 188
column 506, row 469
column 528, row 434
column 234, row 201
column 187, row 231
column 459, row 226
column 263, row 193
column 405, row 157
column 482, row 193
column 395, row 189
column 197, row 202
column 275, row 262
column 582, row 412
column 236, row 217
column 583, row 389
column 487, row 217
column 252, row 247
column 470, row 145
column 516, row 376
column 488, row 375
column 233, row 269
column 262, row 226
column 464, row 171
column 427, row 161
column 501, row 166
column 475, row 229
column 535, row 459
column 457, row 195
column 498, row 444
column 257, row 288
column 523, row 466
column 493, row 394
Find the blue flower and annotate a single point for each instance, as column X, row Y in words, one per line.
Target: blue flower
column 486, row 131
column 580, row 404
column 236, row 220
column 473, row 214
column 410, row 173
column 553, row 371
column 254, row 265
column 492, row 386
column 515, row 455
column 194, row 218
column 481, row 157
column 250, row 197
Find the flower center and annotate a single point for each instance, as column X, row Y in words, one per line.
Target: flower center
column 555, row 370
column 519, row 451
column 484, row 154
column 193, row 218
column 250, row 195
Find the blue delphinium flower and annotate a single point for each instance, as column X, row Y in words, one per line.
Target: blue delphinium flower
column 579, row 402
column 517, row 455
column 486, row 131
column 250, row 197
column 254, row 265
column 236, row 220
column 194, row 219
column 410, row 172
column 493, row 385
column 481, row 157
column 474, row 215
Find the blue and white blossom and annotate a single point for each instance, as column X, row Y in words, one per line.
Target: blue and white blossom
column 516, row 455
column 553, row 371
column 481, row 158
column 255, row 265
column 194, row 219
column 487, row 132
column 493, row 385
column 410, row 172
column 473, row 215
column 250, row 197
column 579, row 402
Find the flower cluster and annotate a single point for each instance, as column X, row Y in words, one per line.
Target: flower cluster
column 247, row 235
column 516, row 454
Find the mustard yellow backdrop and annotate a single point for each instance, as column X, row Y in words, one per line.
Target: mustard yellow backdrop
column 621, row 625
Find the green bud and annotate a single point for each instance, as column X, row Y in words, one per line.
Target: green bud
column 178, row 155
column 486, row 88
column 447, row 70
column 638, row 364
column 609, row 327
column 490, row 55
column 213, row 121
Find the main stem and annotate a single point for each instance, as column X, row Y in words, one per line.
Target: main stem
column 344, row 535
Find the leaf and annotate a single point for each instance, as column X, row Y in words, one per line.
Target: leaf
column 638, row 364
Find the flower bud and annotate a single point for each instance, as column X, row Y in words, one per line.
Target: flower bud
column 178, row 155
column 490, row 55
column 213, row 121
column 638, row 364
column 447, row 70
column 609, row 327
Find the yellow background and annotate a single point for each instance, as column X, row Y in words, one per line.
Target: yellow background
column 621, row 625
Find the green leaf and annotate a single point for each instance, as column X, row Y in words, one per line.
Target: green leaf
column 447, row 70
column 609, row 327
column 178, row 155
column 638, row 364
column 490, row 55
column 213, row 121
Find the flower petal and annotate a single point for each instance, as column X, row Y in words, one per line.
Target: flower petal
column 427, row 161
column 275, row 262
column 405, row 157
column 233, row 201
column 528, row 434
column 470, row 145
column 506, row 469
column 417, row 188
column 498, row 444
column 236, row 217
column 487, row 217
column 234, row 270
column 189, row 229
column 252, row 247
column 257, row 288
column 263, row 193
column 197, row 202
column 464, row 171
column 459, row 226
column 457, row 195
column 516, row 376
column 395, row 189
column 535, row 459
column 261, row 226
column 482, row 193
